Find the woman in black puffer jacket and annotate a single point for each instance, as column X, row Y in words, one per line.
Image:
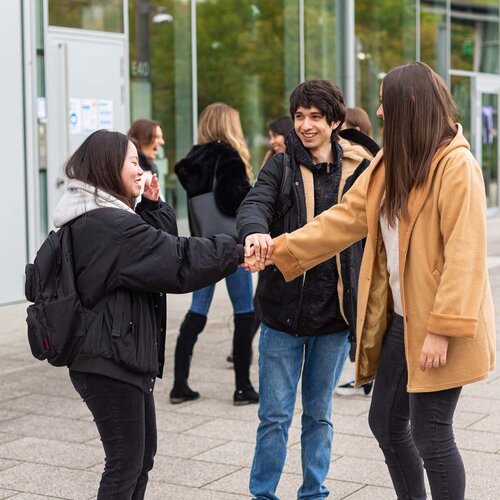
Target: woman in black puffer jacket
column 124, row 262
column 221, row 151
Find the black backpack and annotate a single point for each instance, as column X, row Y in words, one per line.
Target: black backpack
column 57, row 321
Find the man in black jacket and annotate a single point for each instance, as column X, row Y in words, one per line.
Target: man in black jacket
column 305, row 323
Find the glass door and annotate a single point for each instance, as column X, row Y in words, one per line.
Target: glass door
column 487, row 149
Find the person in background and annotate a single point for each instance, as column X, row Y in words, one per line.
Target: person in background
column 124, row 263
column 221, row 150
column 305, row 323
column 426, row 322
column 278, row 132
column 147, row 136
column 357, row 119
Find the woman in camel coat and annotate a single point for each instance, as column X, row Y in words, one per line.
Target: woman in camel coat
column 425, row 324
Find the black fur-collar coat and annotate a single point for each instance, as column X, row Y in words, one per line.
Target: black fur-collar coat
column 196, row 174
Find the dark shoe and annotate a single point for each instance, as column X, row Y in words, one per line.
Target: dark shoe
column 180, row 396
column 245, row 397
column 348, row 389
column 230, row 358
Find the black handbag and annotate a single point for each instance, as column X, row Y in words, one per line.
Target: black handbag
column 205, row 218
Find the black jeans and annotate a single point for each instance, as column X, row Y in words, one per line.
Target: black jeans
column 414, row 427
column 126, row 420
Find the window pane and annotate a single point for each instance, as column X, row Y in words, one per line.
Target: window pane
column 385, row 37
column 475, row 35
column 97, row 15
column 242, row 61
column 433, row 36
column 320, row 39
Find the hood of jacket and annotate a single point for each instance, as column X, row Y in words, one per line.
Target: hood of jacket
column 81, row 198
column 303, row 157
column 200, row 157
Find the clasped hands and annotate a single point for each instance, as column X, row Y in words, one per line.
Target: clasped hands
column 258, row 251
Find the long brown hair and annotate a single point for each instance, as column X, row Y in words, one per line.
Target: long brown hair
column 99, row 161
column 419, row 118
column 218, row 121
column 142, row 132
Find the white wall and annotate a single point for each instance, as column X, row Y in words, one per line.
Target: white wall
column 12, row 157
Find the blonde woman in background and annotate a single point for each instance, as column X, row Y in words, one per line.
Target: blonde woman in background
column 223, row 153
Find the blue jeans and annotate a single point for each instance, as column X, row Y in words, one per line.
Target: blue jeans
column 240, row 290
column 282, row 358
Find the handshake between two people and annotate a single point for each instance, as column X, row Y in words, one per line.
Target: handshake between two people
column 258, row 251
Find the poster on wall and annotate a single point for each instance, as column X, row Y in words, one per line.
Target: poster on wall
column 89, row 115
column 75, row 116
column 105, row 114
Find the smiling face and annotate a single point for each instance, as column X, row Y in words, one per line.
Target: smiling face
column 277, row 142
column 151, row 150
column 131, row 173
column 313, row 129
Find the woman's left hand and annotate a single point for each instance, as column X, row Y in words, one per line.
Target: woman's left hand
column 152, row 188
column 434, row 351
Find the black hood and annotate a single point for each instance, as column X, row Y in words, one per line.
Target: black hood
column 302, row 155
column 200, row 157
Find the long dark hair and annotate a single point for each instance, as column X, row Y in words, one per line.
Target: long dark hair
column 419, row 118
column 99, row 161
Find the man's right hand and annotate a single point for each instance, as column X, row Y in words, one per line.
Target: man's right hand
column 259, row 244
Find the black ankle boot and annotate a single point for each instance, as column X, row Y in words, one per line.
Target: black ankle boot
column 245, row 397
column 180, row 395
column 242, row 350
column 191, row 327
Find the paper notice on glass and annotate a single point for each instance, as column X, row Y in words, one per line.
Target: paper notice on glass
column 75, row 116
column 105, row 114
column 89, row 115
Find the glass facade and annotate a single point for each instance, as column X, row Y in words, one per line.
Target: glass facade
column 96, row 15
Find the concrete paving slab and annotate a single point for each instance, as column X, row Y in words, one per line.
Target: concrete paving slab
column 356, row 446
column 481, row 464
column 213, row 408
column 235, row 430
column 490, row 423
column 372, row 493
column 237, row 483
column 52, row 481
column 361, row 470
column 7, row 415
column 50, row 428
column 29, row 496
column 7, row 464
column 192, row 473
column 467, row 439
column 50, row 452
column 174, row 444
column 177, row 422
column 8, row 494
column 163, row 491
column 48, row 406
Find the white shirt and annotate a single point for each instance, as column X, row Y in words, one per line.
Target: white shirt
column 390, row 235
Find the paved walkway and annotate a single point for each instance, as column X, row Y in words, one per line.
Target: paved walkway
column 49, row 447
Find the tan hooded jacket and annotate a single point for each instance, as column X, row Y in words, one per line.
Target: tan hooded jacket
column 442, row 262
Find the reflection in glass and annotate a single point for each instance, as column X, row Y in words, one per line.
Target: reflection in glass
column 385, row 37
column 475, row 35
column 433, row 40
column 96, row 15
column 489, row 151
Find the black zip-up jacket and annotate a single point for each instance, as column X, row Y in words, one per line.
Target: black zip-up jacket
column 124, row 263
column 324, row 299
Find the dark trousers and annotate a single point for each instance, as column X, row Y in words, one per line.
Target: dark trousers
column 126, row 421
column 412, row 428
